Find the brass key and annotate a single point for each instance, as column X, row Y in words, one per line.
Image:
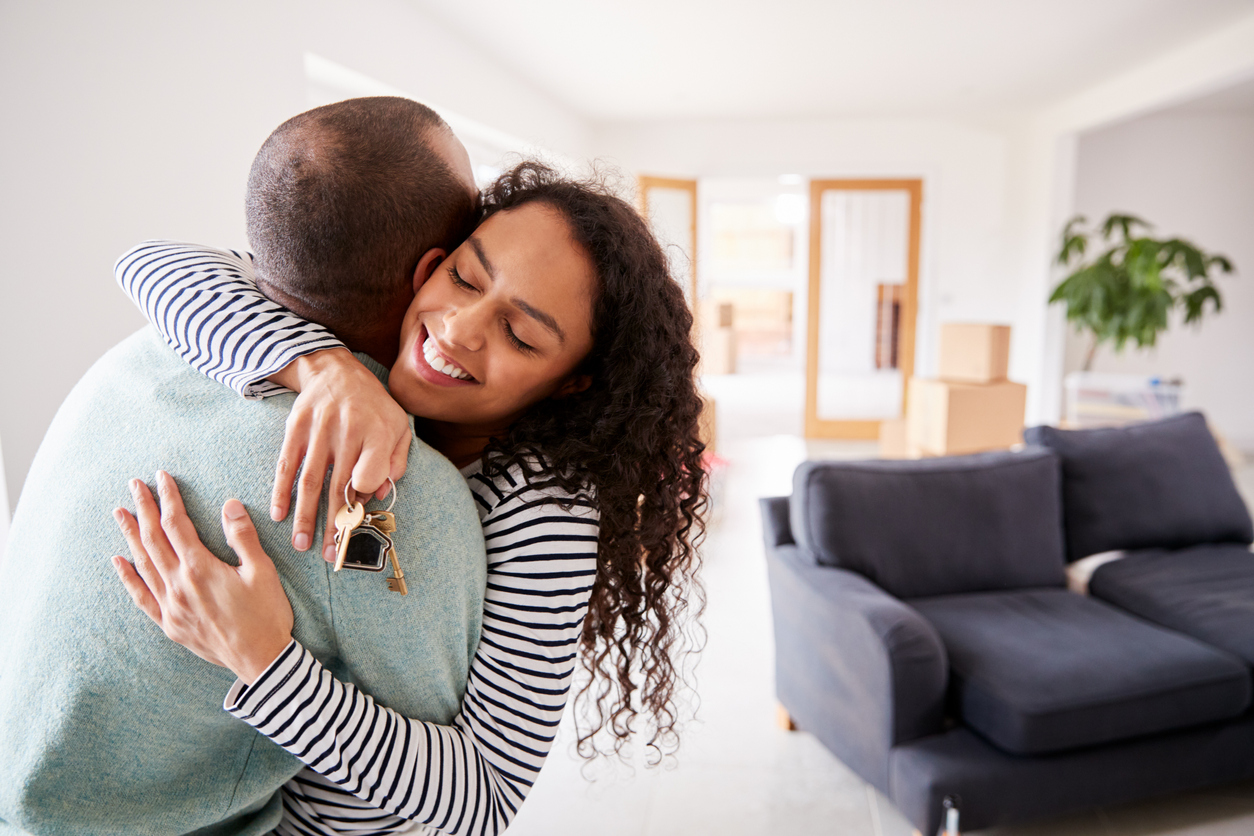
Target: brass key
column 346, row 519
column 385, row 521
column 397, row 583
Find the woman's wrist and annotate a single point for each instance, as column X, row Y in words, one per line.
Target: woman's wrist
column 257, row 657
column 297, row 374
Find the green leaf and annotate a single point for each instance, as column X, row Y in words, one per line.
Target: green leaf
column 1224, row 264
column 1073, row 243
column 1125, row 224
column 1195, row 303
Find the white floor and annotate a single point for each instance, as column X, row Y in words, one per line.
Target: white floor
column 736, row 773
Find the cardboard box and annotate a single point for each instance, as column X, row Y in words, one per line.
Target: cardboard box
column 718, row 351
column 707, row 423
column 973, row 352
column 948, row 418
column 895, row 445
column 893, row 439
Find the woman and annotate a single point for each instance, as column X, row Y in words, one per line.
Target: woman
column 550, row 357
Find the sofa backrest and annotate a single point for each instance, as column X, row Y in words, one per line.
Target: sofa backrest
column 1160, row 484
column 935, row 526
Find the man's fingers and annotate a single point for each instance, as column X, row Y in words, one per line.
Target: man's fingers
column 308, row 494
column 241, row 535
column 139, row 553
column 156, row 543
column 137, row 589
column 175, row 523
column 285, row 470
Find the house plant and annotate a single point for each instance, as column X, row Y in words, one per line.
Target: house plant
column 1128, row 291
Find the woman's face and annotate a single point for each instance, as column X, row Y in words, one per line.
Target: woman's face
column 500, row 325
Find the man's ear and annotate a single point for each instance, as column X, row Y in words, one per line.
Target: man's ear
column 574, row 384
column 430, row 260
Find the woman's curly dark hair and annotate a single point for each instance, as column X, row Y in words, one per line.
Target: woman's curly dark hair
column 632, row 437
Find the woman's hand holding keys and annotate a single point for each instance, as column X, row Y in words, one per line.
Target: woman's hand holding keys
column 237, row 617
column 345, row 420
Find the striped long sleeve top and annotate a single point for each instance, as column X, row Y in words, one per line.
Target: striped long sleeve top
column 206, row 304
column 368, row 769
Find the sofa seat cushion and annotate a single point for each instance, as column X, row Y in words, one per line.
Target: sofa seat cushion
column 1047, row 670
column 1206, row 592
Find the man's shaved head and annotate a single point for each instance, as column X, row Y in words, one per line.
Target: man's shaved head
column 343, row 200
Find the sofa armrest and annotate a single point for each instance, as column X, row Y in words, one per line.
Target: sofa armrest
column 776, row 528
column 858, row 668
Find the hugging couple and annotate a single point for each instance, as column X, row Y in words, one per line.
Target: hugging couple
column 546, row 514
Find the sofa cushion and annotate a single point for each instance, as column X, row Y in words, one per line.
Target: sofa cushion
column 1039, row 671
column 1206, row 592
column 935, row 526
column 1161, row 484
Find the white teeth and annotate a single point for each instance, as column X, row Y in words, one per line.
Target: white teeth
column 438, row 363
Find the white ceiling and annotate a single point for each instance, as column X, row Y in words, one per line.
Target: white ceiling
column 613, row 60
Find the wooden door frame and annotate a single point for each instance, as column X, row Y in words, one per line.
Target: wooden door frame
column 646, row 182
column 816, row 427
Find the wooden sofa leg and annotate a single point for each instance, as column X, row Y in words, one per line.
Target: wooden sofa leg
column 783, row 720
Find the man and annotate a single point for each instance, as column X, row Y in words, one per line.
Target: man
column 105, row 725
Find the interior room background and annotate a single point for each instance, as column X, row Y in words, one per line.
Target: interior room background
column 134, row 120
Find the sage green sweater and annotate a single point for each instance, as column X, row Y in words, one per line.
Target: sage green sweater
column 108, row 727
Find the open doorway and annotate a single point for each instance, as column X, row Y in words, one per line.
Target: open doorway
column 752, row 303
column 863, row 291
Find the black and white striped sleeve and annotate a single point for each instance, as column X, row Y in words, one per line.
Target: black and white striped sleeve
column 470, row 777
column 206, row 304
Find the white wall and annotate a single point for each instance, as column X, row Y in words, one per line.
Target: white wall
column 1044, row 170
column 4, row 508
column 1192, row 175
column 126, row 121
column 964, row 264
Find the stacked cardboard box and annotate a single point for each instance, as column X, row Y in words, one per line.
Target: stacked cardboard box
column 718, row 339
column 707, row 423
column 971, row 407
column 893, row 440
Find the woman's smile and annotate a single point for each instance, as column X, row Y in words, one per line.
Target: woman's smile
column 434, row 364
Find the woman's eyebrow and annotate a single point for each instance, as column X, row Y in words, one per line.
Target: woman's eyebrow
column 477, row 246
column 535, row 313
column 540, row 317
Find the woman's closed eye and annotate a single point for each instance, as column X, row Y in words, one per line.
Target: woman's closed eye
column 515, row 342
column 458, row 280
column 513, row 339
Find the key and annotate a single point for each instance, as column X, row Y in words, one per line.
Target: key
column 346, row 519
column 396, row 583
column 382, row 520
column 386, row 522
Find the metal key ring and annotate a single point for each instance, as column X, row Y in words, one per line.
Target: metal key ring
column 392, row 492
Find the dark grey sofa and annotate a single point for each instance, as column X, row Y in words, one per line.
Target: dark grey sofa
column 924, row 632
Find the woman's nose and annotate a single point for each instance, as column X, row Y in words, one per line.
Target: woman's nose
column 464, row 327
